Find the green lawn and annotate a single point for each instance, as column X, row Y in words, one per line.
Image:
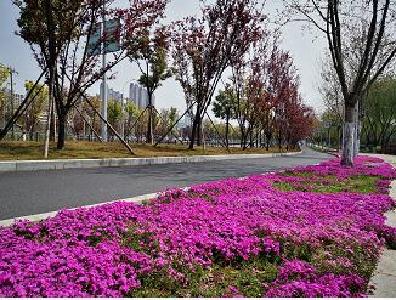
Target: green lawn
column 330, row 184
column 34, row 150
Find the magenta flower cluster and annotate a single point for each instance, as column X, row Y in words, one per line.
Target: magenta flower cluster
column 298, row 279
column 106, row 250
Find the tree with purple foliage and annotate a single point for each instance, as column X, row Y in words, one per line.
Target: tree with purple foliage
column 204, row 46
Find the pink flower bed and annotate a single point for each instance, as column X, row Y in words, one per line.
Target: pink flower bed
column 315, row 239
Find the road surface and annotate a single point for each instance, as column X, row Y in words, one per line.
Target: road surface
column 30, row 193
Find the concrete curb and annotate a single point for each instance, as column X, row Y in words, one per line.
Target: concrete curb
column 63, row 164
column 331, row 151
column 324, row 148
column 41, row 217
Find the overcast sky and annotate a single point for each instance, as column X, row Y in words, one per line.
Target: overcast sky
column 306, row 51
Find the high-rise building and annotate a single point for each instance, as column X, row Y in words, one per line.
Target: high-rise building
column 138, row 94
column 112, row 94
column 133, row 93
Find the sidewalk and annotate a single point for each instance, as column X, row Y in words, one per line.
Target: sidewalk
column 385, row 278
column 63, row 164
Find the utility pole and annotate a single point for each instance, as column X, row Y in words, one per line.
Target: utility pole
column 104, row 79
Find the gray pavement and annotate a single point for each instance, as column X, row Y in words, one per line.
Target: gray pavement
column 36, row 192
column 384, row 279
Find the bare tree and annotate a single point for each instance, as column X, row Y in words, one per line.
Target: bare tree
column 348, row 26
column 148, row 48
column 330, row 90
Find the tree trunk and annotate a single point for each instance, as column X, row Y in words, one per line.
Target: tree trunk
column 61, row 131
column 349, row 128
column 243, row 138
column 194, row 130
column 196, row 133
column 257, row 138
column 261, row 138
column 199, row 131
column 356, row 132
column 202, row 132
column 150, row 135
column 359, row 133
column 288, row 141
column 368, row 140
column 226, row 130
column 31, row 134
column 280, row 141
column 53, row 125
column 340, row 137
column 268, row 138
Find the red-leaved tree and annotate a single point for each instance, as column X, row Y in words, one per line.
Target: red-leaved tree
column 282, row 90
column 204, row 46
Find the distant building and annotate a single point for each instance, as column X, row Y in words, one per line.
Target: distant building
column 138, row 94
column 115, row 95
column 186, row 122
column 112, row 94
column 17, row 99
column 132, row 92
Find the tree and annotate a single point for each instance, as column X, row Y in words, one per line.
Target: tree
column 31, row 117
column 330, row 90
column 332, row 123
column 115, row 113
column 380, row 113
column 204, row 46
column 4, row 74
column 243, row 107
column 251, row 72
column 78, row 124
column 149, row 51
column 171, row 116
column 62, row 37
column 283, row 92
column 224, row 107
column 166, row 118
column 362, row 44
column 92, row 118
column 133, row 113
column 300, row 123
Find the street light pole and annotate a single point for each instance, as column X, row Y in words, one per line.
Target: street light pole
column 104, row 78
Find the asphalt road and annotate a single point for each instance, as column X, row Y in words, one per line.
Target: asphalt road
column 29, row 193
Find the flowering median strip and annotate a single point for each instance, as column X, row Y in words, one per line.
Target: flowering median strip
column 314, row 231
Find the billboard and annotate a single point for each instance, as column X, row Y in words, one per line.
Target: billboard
column 110, row 37
column 95, row 44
